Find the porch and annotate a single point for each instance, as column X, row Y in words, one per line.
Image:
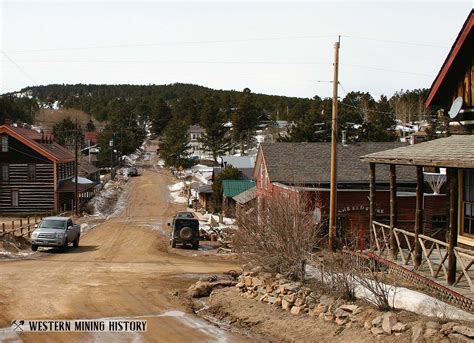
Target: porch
column 441, row 260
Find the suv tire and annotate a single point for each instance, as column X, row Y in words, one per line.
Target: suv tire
column 186, row 233
column 75, row 243
column 64, row 246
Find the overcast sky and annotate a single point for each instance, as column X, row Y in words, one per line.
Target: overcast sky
column 282, row 48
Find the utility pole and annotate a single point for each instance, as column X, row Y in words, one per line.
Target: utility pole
column 333, row 191
column 76, row 165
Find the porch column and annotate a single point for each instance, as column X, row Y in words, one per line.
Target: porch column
column 372, row 215
column 393, row 212
column 453, row 223
column 418, row 214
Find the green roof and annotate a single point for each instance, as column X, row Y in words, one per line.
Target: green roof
column 235, row 187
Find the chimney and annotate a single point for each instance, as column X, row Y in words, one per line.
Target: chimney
column 344, row 138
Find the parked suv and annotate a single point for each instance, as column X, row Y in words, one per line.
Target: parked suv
column 184, row 230
column 56, row 232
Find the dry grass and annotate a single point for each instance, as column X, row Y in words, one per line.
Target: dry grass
column 46, row 118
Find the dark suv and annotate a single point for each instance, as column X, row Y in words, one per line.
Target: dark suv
column 184, row 230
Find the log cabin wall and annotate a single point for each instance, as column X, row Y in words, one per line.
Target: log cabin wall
column 26, row 180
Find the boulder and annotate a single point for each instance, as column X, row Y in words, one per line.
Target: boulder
column 377, row 321
column 464, row 330
column 328, row 317
column 295, row 310
column 264, row 298
column 299, row 302
column 458, row 338
column 341, row 320
column 277, row 302
column 417, row 333
column 433, row 325
column 388, row 321
column 271, row 300
column 399, row 327
column 377, row 331
column 248, row 281
column 340, row 313
column 430, row 332
column 241, row 284
column 368, row 324
column 285, row 305
column 326, row 300
column 321, row 308
column 349, row 308
column 256, row 281
column 203, row 288
column 290, row 298
column 447, row 328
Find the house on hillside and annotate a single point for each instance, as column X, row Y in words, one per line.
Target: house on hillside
column 455, row 77
column 36, row 173
column 303, row 169
column 196, row 148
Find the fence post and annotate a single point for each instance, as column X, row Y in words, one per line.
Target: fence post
column 3, row 227
column 21, row 222
column 13, row 225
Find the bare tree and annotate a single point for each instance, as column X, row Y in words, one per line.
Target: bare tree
column 279, row 236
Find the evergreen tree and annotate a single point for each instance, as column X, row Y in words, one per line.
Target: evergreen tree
column 64, row 131
column 160, row 116
column 174, row 147
column 216, row 139
column 245, row 119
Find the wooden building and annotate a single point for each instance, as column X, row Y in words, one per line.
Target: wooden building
column 304, row 169
column 36, row 172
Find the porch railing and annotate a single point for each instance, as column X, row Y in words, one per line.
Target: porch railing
column 434, row 253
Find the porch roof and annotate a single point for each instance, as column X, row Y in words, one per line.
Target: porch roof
column 451, row 152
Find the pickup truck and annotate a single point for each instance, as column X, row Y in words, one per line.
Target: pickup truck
column 56, row 232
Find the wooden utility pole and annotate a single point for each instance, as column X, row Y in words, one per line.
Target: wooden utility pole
column 333, row 198
column 76, row 164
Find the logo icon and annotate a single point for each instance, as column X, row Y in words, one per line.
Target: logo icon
column 16, row 325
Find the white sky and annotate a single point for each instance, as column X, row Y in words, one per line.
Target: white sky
column 281, row 48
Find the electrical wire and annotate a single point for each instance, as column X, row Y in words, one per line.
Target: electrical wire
column 18, row 66
column 396, row 42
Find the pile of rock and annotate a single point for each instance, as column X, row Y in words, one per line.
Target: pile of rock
column 386, row 324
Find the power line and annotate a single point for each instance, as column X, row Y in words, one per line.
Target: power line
column 387, row 70
column 18, row 66
column 396, row 42
column 245, row 40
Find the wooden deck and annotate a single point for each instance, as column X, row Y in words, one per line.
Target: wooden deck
column 434, row 260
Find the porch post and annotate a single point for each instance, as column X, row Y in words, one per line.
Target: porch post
column 453, row 225
column 393, row 212
column 418, row 214
column 372, row 214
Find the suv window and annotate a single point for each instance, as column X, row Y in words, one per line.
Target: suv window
column 69, row 223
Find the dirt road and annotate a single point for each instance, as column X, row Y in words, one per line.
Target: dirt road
column 121, row 269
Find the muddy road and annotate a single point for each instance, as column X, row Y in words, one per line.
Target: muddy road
column 122, row 268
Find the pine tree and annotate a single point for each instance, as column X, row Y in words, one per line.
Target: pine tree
column 160, row 116
column 216, row 139
column 245, row 119
column 174, row 147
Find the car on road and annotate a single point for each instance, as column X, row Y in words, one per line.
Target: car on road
column 184, row 230
column 56, row 232
column 132, row 171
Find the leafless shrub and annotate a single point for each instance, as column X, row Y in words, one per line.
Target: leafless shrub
column 279, row 236
column 337, row 277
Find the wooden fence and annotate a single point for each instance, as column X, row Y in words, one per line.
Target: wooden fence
column 25, row 225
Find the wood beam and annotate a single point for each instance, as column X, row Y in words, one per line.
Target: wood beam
column 372, row 214
column 393, row 212
column 418, row 214
column 453, row 223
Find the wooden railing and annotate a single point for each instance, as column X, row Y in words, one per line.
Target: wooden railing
column 434, row 253
column 24, row 228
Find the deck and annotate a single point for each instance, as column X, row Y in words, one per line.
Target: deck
column 432, row 271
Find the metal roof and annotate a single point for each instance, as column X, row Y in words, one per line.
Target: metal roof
column 455, row 151
column 246, row 196
column 235, row 187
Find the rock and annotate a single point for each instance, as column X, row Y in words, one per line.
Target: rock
column 464, row 330
column 290, row 298
column 248, row 281
column 299, row 302
column 339, row 313
column 328, row 317
column 349, row 308
column 458, row 338
column 399, row 327
column 277, row 302
column 285, row 305
column 417, row 333
column 377, row 321
column 368, row 324
column 257, row 281
column 433, row 325
column 321, row 308
column 241, row 284
column 388, row 321
column 203, row 288
column 326, row 300
column 264, row 298
column 295, row 310
column 377, row 331
column 269, row 288
column 430, row 332
column 447, row 328
column 279, row 276
column 271, row 300
column 292, row 286
column 341, row 320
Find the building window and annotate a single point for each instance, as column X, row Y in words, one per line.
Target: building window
column 31, row 172
column 468, row 203
column 15, row 198
column 4, row 172
column 4, row 143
